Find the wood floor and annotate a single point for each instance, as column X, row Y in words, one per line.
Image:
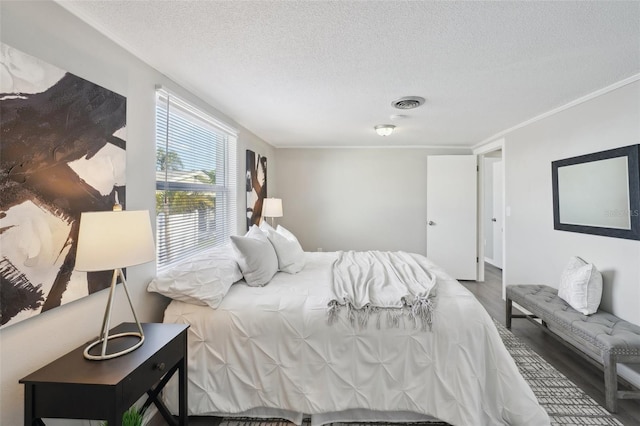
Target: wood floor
column 585, row 375
column 582, row 373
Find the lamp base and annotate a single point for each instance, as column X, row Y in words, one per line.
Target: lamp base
column 104, row 334
column 88, row 355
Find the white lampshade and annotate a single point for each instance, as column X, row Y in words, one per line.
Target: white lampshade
column 384, row 129
column 272, row 207
column 114, row 239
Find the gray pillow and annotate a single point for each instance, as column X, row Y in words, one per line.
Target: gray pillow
column 289, row 251
column 255, row 256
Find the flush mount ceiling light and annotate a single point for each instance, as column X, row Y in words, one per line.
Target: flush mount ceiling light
column 384, row 129
column 408, row 102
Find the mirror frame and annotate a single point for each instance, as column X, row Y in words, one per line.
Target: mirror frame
column 632, row 152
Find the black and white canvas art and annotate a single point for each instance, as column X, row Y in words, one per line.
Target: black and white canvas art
column 256, row 183
column 62, row 152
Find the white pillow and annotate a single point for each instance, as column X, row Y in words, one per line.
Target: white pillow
column 202, row 280
column 265, row 227
column 255, row 256
column 284, row 231
column 288, row 249
column 581, row 286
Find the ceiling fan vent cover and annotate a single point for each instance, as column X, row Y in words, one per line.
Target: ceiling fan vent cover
column 408, row 102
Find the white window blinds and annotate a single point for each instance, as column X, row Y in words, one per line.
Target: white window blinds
column 195, row 180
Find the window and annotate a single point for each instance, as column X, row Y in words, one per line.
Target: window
column 195, row 180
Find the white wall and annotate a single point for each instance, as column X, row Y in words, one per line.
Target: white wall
column 356, row 199
column 47, row 31
column 535, row 252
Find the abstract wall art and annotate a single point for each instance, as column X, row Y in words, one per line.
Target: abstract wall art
column 256, row 183
column 62, row 152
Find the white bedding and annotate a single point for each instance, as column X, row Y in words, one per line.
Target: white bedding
column 269, row 351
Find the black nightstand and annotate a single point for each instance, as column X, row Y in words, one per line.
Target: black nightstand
column 73, row 387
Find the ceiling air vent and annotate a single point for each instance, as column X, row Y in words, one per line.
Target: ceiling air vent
column 408, row 102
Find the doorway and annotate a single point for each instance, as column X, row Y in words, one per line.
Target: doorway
column 493, row 212
column 491, row 156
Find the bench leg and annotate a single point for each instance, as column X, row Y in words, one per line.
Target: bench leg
column 611, row 383
column 508, row 306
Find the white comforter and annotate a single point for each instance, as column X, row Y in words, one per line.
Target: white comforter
column 269, row 351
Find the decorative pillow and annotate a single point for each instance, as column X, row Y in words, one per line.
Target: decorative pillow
column 288, row 249
column 581, row 286
column 201, row 280
column 265, row 227
column 255, row 256
column 284, row 231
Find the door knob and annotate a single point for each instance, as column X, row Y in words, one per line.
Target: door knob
column 493, row 219
column 431, row 223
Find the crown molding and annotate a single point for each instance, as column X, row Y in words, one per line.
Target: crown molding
column 554, row 111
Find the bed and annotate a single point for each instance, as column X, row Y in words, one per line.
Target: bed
column 270, row 351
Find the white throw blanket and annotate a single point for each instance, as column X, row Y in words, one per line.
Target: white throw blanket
column 391, row 283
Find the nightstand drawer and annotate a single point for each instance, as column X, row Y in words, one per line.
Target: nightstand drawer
column 152, row 370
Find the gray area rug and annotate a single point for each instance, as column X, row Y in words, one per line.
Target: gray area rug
column 565, row 403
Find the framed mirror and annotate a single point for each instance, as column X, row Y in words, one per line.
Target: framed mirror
column 598, row 193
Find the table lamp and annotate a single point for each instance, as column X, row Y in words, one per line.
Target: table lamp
column 272, row 207
column 114, row 240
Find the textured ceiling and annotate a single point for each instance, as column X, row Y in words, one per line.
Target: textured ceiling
column 323, row 73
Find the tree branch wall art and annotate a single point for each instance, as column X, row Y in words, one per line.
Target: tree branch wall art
column 256, row 183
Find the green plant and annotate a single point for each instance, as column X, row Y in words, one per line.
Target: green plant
column 131, row 417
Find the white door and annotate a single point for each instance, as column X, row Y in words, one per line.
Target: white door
column 497, row 220
column 452, row 214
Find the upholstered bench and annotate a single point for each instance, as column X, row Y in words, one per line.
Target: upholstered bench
column 604, row 338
